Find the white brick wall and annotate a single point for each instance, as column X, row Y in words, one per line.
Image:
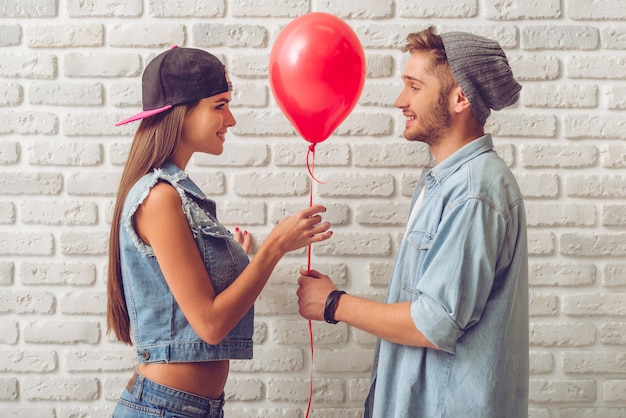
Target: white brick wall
column 70, row 69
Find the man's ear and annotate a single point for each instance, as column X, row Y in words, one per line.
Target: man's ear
column 461, row 102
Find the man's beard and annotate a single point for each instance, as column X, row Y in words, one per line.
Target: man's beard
column 434, row 124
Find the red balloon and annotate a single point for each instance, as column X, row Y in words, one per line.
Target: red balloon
column 317, row 73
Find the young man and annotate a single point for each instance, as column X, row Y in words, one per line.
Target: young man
column 453, row 333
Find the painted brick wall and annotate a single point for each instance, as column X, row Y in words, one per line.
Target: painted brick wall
column 69, row 69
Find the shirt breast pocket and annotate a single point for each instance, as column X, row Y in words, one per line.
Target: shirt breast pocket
column 416, row 249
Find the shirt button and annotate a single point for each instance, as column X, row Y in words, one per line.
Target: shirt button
column 145, row 355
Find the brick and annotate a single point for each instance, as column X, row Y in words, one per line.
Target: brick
column 9, row 332
column 57, row 273
column 554, row 334
column 65, row 154
column 358, row 389
column 101, row 65
column 357, row 185
column 28, row 361
column 26, row 243
column 104, row 8
column 271, row 361
column 11, row 94
column 7, row 213
column 288, row 272
column 376, row 35
column 7, row 270
column 615, row 390
column 596, row 186
column 382, row 213
column 336, row 213
column 559, row 96
column 566, row 156
column 613, row 334
column 355, row 244
column 66, row 94
column 541, row 243
column 596, row 67
column 10, row 34
column 276, row 302
column 567, row 37
column 262, row 124
column 59, row 213
column 561, row 274
column 249, row 66
column 379, row 274
column 93, row 183
column 507, row 10
column 95, row 360
column 593, row 245
column 209, row 35
column 543, row 305
column 327, row 153
column 529, row 67
column 64, row 35
column 365, row 124
column 296, row 332
column 28, row 123
column 84, row 243
column 163, row 35
column 441, row 9
column 260, row 184
column 29, row 66
column 504, row 124
column 594, row 362
column 267, row 8
column 210, row 182
column 559, row 214
column 329, row 360
column 614, row 274
column 359, row 9
column 558, row 391
column 186, row 8
column 594, row 126
column 613, row 215
column 83, row 303
column 244, row 389
column 325, row 390
column 541, row 362
column 407, row 154
column 596, row 10
column 250, row 95
column 29, row 8
column 256, row 412
column 594, row 304
column 241, row 213
column 613, row 37
column 613, row 155
column 8, row 389
column 65, row 332
column 60, row 389
column 578, row 412
column 380, row 66
column 236, row 154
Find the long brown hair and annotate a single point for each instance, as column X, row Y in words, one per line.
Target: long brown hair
column 155, row 141
column 427, row 41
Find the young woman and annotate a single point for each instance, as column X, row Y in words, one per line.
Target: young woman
column 181, row 287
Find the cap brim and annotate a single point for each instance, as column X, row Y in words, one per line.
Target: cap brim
column 144, row 114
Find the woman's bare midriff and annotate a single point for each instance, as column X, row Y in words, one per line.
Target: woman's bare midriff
column 206, row 379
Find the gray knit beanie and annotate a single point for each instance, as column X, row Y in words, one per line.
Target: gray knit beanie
column 482, row 70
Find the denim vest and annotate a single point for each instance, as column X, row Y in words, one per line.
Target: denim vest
column 161, row 333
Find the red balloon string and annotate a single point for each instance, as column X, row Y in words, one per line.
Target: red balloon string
column 311, row 167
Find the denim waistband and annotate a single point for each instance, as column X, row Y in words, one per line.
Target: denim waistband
column 174, row 399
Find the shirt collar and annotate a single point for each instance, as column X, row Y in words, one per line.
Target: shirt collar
column 448, row 166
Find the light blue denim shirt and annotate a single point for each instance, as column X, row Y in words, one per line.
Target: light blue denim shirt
column 161, row 333
column 463, row 265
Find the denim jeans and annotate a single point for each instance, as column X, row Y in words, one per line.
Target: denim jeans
column 146, row 398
